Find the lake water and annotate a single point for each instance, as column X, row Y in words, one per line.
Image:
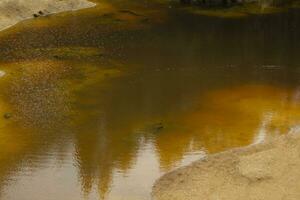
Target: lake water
column 99, row 103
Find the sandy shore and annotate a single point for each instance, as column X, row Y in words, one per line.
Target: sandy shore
column 14, row 11
column 268, row 171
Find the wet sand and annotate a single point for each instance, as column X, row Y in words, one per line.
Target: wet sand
column 263, row 171
column 14, row 11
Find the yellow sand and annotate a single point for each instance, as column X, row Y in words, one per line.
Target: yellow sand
column 14, row 11
column 267, row 171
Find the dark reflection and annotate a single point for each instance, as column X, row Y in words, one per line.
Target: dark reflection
column 103, row 94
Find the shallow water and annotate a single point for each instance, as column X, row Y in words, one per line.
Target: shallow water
column 98, row 106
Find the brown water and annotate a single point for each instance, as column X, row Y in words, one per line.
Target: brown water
column 99, row 103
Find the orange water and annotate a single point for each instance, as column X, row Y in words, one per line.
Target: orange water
column 95, row 110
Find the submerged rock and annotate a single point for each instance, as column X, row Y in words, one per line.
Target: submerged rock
column 158, row 127
column 131, row 13
column 7, row 115
column 155, row 128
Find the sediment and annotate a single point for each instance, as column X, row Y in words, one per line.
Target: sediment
column 268, row 171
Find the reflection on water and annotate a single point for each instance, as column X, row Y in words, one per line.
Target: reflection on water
column 88, row 118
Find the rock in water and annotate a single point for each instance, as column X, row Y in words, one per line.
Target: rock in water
column 7, row 115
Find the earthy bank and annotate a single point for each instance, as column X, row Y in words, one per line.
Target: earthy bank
column 268, row 171
column 14, row 11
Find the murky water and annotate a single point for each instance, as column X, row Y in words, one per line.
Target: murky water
column 99, row 103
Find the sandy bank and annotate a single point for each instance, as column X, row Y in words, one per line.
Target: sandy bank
column 14, row 11
column 267, row 171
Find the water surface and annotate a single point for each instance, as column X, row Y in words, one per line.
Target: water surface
column 99, row 103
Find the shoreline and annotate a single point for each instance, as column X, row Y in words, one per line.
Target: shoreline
column 15, row 11
column 266, row 171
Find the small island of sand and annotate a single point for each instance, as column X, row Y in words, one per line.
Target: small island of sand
column 268, row 171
